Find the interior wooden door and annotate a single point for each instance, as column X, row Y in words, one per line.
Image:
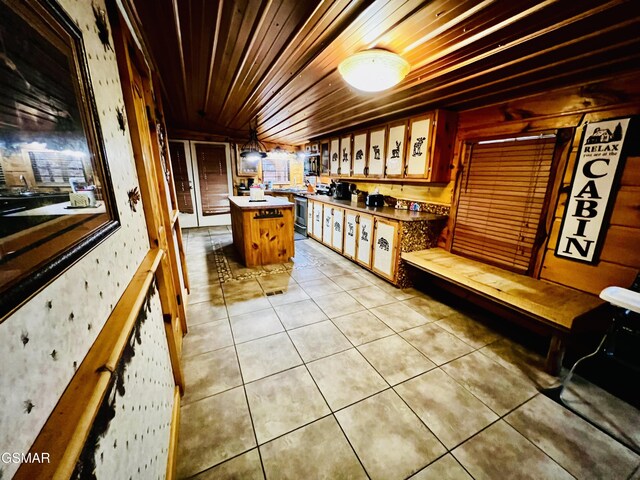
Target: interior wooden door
column 212, row 175
column 183, row 179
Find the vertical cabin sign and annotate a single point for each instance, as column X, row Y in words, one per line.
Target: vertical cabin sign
column 598, row 167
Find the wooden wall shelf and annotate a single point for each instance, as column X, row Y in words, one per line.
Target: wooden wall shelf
column 399, row 181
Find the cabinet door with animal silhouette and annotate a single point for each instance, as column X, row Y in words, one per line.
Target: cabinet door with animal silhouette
column 385, row 244
column 395, row 150
column 419, row 153
column 310, row 218
column 327, row 218
column 364, row 239
column 337, row 225
column 334, row 160
column 345, row 159
column 375, row 166
column 317, row 221
column 350, row 233
column 359, row 154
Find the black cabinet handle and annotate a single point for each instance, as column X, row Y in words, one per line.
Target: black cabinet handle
column 385, row 170
column 405, row 170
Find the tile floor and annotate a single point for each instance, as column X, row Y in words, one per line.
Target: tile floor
column 341, row 375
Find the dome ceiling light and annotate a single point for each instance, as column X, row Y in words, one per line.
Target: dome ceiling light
column 374, row 70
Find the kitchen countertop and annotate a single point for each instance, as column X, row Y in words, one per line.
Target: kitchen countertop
column 245, row 202
column 387, row 212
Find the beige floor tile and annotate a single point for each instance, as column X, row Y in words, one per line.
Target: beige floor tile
column 398, row 316
column 448, row 409
column 319, row 340
column 204, row 312
column 299, row 314
column 276, row 281
column 255, row 325
column 320, row 287
column 241, row 287
column 610, row 413
column 291, row 294
column 430, row 308
column 336, row 269
column 246, row 467
column 437, row 344
column 283, row 402
column 265, row 356
column 338, row 304
column 207, row 337
column 345, row 378
column 316, row 451
column 201, row 292
column 469, row 330
column 212, row 430
column 520, row 360
column 362, row 327
column 500, row 389
column 372, row 296
column 501, row 452
column 210, row 373
column 580, row 448
column 445, row 468
column 395, row 292
column 395, row 359
column 390, row 440
column 307, row 274
column 350, row 281
column 239, row 305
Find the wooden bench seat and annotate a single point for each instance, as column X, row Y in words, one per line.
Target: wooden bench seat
column 555, row 309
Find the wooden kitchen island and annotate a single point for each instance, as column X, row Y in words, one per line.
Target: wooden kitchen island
column 263, row 230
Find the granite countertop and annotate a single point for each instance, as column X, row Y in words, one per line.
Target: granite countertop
column 387, row 212
column 245, row 202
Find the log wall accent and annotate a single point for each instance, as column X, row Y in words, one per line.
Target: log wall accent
column 566, row 108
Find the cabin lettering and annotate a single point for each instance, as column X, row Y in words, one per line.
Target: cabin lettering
column 591, row 189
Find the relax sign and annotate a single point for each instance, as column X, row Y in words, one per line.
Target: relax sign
column 596, row 171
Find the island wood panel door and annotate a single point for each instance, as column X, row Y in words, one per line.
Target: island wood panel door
column 360, row 154
column 317, row 221
column 327, row 214
column 377, row 152
column 334, row 152
column 364, row 239
column 350, row 233
column 345, row 156
column 212, row 174
column 385, row 245
column 394, row 162
column 419, row 151
column 180, row 154
column 310, row 218
column 337, row 235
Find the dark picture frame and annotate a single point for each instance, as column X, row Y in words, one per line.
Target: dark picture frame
column 50, row 124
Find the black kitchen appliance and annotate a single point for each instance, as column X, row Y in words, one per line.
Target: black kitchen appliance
column 375, row 200
column 342, row 191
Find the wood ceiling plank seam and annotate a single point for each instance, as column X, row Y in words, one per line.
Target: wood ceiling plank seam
column 176, row 17
column 503, row 79
column 300, row 46
column 328, row 65
column 258, row 72
column 212, row 57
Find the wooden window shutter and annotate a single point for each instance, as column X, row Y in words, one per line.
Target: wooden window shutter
column 181, row 176
column 501, row 200
column 212, row 175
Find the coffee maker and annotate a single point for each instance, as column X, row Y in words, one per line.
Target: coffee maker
column 342, row 191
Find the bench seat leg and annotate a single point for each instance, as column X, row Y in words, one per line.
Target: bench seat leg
column 555, row 355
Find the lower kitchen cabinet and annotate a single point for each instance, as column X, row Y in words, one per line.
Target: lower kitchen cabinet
column 317, row 221
column 337, row 234
column 309, row 218
column 326, row 224
column 364, row 239
column 350, row 234
column 385, row 248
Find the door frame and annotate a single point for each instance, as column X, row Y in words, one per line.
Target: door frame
column 209, row 220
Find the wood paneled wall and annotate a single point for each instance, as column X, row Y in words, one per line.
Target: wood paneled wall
column 573, row 107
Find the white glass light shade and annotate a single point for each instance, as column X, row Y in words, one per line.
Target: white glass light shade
column 374, row 70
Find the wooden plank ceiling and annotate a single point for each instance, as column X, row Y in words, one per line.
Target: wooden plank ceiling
column 223, row 63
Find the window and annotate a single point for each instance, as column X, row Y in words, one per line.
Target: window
column 275, row 170
column 2, row 179
column 501, row 199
